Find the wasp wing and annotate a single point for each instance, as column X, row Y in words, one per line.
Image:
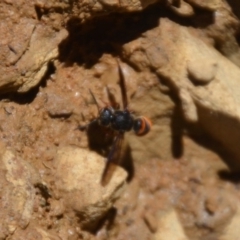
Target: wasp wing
column 123, row 87
column 114, row 104
column 113, row 159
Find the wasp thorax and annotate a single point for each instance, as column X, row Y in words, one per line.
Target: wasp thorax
column 122, row 121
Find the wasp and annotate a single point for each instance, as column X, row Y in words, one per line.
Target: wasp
column 118, row 121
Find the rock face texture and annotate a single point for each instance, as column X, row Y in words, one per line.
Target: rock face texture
column 17, row 192
column 78, row 182
column 180, row 60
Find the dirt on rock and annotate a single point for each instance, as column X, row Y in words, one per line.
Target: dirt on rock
column 180, row 61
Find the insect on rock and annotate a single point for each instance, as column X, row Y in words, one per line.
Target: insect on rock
column 117, row 121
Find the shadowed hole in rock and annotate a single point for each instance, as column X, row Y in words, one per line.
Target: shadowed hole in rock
column 28, row 97
column 88, row 41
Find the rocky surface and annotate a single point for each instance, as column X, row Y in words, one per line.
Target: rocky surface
column 18, row 179
column 78, row 183
column 180, row 60
column 199, row 78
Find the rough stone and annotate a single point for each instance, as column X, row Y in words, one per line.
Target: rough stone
column 17, row 192
column 58, row 106
column 232, row 230
column 26, row 50
column 78, row 180
column 169, row 227
column 183, row 9
column 214, row 105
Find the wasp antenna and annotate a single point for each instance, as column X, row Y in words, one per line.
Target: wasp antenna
column 95, row 101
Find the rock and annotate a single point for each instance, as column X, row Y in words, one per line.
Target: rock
column 202, row 71
column 42, row 49
column 34, row 233
column 78, row 181
column 169, row 227
column 58, row 106
column 151, row 222
column 26, row 50
column 17, row 180
column 184, row 9
column 209, row 5
column 232, row 231
column 188, row 106
column 208, row 90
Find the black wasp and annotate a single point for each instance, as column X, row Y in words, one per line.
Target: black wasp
column 118, row 121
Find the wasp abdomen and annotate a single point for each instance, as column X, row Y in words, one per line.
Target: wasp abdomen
column 142, row 126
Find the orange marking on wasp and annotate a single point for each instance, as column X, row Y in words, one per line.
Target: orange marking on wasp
column 145, row 126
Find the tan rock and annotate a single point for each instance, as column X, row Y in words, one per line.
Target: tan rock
column 78, row 180
column 169, row 227
column 184, row 9
column 17, row 192
column 197, row 74
column 206, row 82
column 34, row 233
column 26, row 50
column 43, row 48
column 210, row 5
column 232, row 231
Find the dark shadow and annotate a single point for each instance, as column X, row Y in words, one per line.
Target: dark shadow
column 100, row 139
column 235, row 5
column 127, row 162
column 225, row 128
column 238, row 37
column 45, row 9
column 44, row 191
column 202, row 18
column 203, row 139
column 39, row 12
column 88, row 41
column 28, row 97
column 179, row 127
column 177, row 133
column 112, row 213
column 107, row 221
column 177, row 121
column 229, row 176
